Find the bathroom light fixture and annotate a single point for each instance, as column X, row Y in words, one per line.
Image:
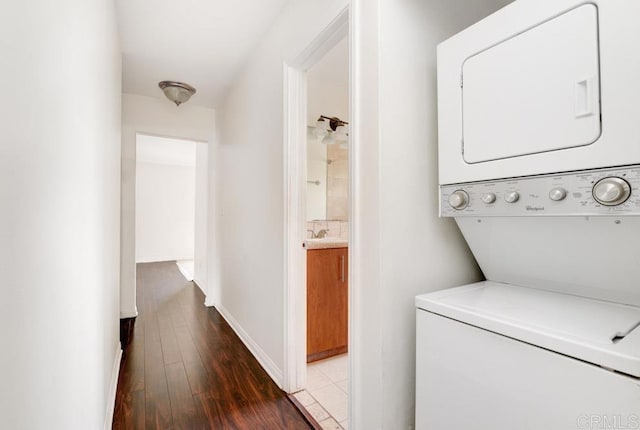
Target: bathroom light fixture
column 342, row 133
column 177, row 92
column 334, row 122
column 332, row 130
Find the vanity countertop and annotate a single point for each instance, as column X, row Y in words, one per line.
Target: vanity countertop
column 326, row 243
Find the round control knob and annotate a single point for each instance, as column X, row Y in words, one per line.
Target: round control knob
column 459, row 200
column 558, row 194
column 512, row 197
column 611, row 191
column 489, row 198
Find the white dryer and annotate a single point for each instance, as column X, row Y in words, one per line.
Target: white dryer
column 539, row 147
column 541, row 86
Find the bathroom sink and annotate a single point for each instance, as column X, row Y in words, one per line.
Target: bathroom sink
column 326, row 242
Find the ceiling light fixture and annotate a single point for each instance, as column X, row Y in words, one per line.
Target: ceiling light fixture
column 177, row 92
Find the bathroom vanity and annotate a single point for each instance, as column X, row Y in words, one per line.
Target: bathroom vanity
column 327, row 298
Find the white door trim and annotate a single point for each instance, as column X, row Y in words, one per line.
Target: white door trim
column 295, row 165
column 295, row 107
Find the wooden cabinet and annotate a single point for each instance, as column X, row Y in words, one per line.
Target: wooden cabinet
column 327, row 302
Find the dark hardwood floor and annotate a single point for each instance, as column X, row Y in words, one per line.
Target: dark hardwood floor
column 185, row 368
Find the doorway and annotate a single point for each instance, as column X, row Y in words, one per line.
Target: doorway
column 318, row 225
column 170, row 199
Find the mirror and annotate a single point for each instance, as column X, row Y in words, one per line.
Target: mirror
column 327, row 180
column 327, row 144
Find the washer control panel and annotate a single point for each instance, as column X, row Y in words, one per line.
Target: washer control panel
column 614, row 191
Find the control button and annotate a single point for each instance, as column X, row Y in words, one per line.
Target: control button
column 459, row 200
column 611, row 191
column 489, row 198
column 512, row 197
column 558, row 194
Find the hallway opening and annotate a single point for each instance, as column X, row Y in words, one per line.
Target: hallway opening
column 170, row 199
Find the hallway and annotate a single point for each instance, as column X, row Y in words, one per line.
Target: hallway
column 185, row 368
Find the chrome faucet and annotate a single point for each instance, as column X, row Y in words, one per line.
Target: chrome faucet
column 319, row 235
column 322, row 233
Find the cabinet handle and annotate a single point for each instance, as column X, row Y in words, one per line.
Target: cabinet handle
column 342, row 267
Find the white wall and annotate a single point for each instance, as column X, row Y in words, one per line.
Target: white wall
column 165, row 212
column 251, row 205
column 399, row 246
column 328, row 85
column 59, row 212
column 316, row 171
column 166, row 198
column 158, row 117
column 403, row 242
column 201, row 216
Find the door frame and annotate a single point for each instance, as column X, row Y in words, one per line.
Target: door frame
column 295, row 164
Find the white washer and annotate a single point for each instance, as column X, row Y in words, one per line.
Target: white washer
column 493, row 356
column 539, row 154
column 552, row 340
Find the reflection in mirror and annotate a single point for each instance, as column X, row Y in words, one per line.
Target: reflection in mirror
column 328, row 139
column 327, row 181
column 316, row 180
column 337, row 182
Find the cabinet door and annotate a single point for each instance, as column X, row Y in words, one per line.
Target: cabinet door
column 327, row 298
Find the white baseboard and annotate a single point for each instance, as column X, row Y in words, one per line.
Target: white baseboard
column 199, row 285
column 165, row 259
column 129, row 313
column 265, row 361
column 111, row 399
column 209, row 302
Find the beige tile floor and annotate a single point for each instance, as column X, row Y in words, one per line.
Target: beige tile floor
column 326, row 396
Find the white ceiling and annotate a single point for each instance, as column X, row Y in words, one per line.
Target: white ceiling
column 201, row 42
column 163, row 150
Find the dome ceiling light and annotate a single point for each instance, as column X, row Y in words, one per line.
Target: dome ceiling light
column 177, row 92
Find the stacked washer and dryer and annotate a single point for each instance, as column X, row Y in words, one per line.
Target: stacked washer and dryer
column 539, row 153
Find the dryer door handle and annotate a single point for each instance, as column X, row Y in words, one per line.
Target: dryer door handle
column 586, row 97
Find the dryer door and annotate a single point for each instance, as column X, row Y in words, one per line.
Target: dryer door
column 536, row 92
